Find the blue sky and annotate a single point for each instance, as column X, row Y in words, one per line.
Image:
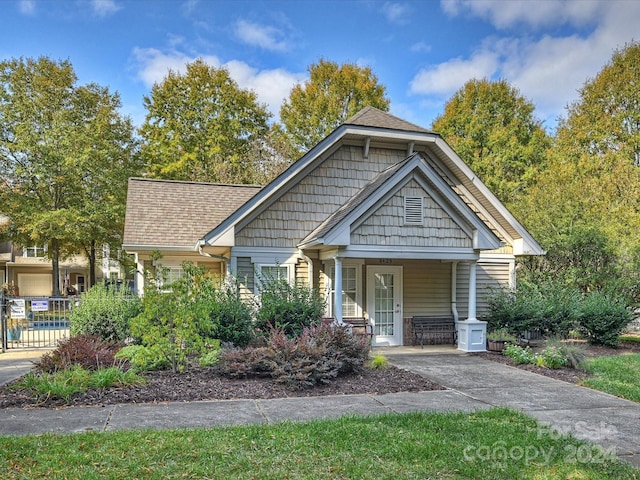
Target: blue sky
column 421, row 50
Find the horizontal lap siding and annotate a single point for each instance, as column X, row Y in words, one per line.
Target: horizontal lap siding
column 307, row 204
column 245, row 276
column 489, row 276
column 427, row 288
column 386, row 226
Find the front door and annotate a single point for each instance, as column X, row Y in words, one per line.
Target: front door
column 384, row 303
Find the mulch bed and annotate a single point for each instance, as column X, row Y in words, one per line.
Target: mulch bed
column 570, row 375
column 206, row 384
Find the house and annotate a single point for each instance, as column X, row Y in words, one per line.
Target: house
column 29, row 272
column 382, row 216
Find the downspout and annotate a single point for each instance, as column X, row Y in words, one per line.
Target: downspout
column 309, row 266
column 224, row 259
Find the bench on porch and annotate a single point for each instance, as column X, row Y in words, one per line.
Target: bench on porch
column 358, row 325
column 439, row 329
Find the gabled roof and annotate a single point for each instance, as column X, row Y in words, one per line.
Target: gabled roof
column 372, row 117
column 369, row 125
column 175, row 214
column 338, row 226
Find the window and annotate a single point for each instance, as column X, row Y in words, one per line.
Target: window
column 34, row 252
column 413, row 208
column 350, row 290
column 172, row 274
column 269, row 273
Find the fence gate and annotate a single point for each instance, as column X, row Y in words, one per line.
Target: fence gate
column 34, row 322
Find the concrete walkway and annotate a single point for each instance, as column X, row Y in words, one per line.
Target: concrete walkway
column 473, row 383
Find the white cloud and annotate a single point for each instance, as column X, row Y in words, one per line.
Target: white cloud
column 27, row 7
column 420, row 47
column 263, row 36
column 548, row 70
column 104, row 8
column 270, row 86
column 507, row 14
column 445, row 78
column 398, row 13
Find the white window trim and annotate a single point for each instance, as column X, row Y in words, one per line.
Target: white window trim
column 34, row 248
column 258, row 269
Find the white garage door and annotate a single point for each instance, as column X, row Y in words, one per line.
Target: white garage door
column 35, row 284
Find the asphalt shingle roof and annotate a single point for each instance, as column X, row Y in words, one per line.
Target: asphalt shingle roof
column 175, row 213
column 373, row 117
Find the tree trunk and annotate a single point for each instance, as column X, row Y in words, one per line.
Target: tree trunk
column 55, row 260
column 92, row 264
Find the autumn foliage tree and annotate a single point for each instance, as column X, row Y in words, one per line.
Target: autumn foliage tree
column 201, row 126
column 332, row 94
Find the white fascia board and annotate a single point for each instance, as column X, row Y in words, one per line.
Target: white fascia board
column 267, row 255
column 408, row 253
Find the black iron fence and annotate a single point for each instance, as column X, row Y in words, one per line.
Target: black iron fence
column 34, row 322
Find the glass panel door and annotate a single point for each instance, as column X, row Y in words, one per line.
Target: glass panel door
column 384, row 302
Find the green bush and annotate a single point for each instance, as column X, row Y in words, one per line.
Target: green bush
column 516, row 311
column 176, row 318
column 552, row 357
column 105, row 311
column 290, row 307
column 231, row 316
column 520, row 356
column 602, row 318
column 143, row 359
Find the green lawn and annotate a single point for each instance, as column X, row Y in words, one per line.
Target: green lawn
column 495, row 444
column 618, row 375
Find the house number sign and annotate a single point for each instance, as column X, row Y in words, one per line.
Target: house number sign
column 385, row 261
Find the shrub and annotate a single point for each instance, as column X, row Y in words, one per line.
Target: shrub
column 176, row 318
column 552, row 357
column 602, row 318
column 318, row 355
column 289, row 307
column 88, row 351
column 232, row 316
column 517, row 312
column 105, row 311
column 143, row 359
column 574, row 353
column 519, row 355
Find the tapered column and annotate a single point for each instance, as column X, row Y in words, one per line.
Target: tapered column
column 472, row 333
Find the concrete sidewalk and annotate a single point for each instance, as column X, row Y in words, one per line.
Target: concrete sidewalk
column 15, row 363
column 473, row 383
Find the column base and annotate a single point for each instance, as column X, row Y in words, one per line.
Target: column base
column 472, row 335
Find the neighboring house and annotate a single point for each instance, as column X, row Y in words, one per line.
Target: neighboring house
column 29, row 272
column 382, row 216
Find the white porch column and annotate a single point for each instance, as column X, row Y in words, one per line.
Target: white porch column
column 472, row 333
column 138, row 281
column 337, row 290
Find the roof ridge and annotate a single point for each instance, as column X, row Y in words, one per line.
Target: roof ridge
column 166, row 180
column 373, row 117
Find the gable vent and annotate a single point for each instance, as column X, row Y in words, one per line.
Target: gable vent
column 413, row 208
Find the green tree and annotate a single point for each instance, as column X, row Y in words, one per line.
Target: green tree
column 202, row 126
column 592, row 181
column 493, row 129
column 332, row 94
column 64, row 150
